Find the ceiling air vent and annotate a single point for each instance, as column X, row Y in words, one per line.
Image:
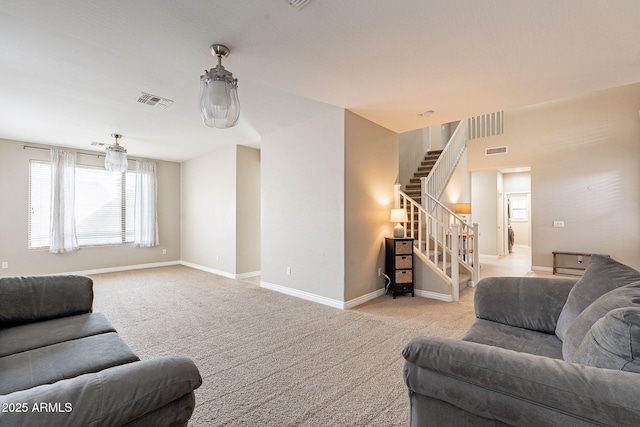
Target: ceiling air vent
column 495, row 150
column 153, row 100
column 298, row 4
column 98, row 144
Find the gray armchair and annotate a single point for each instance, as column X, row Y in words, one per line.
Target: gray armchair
column 542, row 352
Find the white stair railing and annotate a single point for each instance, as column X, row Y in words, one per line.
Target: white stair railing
column 444, row 242
column 467, row 236
column 435, row 183
column 442, row 239
column 491, row 124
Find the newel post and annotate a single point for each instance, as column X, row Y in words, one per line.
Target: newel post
column 396, row 195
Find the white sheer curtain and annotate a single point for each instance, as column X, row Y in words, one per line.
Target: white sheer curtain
column 145, row 216
column 63, row 185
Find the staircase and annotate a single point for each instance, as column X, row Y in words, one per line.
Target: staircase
column 446, row 243
column 414, row 188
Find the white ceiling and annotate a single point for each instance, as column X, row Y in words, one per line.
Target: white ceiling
column 72, row 70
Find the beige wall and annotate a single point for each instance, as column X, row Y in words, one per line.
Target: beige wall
column 248, row 210
column 370, row 173
column 14, row 193
column 209, row 210
column 484, row 209
column 327, row 191
column 221, row 211
column 584, row 156
column 303, row 207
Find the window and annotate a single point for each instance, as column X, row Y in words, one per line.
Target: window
column 518, row 206
column 103, row 206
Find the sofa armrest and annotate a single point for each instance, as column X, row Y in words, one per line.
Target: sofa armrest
column 111, row 397
column 25, row 299
column 519, row 388
column 526, row 302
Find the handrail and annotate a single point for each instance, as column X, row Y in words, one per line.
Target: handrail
column 435, row 183
column 441, row 242
column 469, row 255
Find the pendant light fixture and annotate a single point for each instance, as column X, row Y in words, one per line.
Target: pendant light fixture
column 219, row 104
column 116, row 159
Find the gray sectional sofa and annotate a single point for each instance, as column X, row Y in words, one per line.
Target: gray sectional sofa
column 63, row 365
column 542, row 352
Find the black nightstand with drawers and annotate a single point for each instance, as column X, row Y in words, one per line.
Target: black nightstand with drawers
column 399, row 265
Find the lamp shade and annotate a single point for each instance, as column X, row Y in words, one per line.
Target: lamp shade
column 116, row 161
column 116, row 157
column 398, row 215
column 463, row 208
column 219, row 102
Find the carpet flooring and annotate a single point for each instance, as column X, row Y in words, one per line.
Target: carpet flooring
column 268, row 359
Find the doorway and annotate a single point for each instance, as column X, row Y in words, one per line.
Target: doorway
column 490, row 193
column 515, row 219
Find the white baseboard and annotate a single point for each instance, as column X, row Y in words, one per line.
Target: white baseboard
column 126, row 267
column 434, row 295
column 220, row 272
column 364, row 298
column 247, row 275
column 208, row 269
column 323, row 300
column 303, row 295
column 348, row 304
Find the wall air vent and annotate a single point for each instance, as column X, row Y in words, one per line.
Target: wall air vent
column 495, row 150
column 98, row 144
column 153, row 100
column 298, row 4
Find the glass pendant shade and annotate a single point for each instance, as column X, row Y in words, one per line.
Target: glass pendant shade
column 116, row 158
column 219, row 103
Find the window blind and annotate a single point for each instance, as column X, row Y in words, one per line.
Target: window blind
column 104, row 205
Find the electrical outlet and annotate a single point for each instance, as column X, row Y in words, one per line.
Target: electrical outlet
column 5, row 264
column 558, row 224
column 288, row 271
column 164, row 252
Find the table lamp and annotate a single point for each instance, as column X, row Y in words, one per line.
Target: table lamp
column 398, row 216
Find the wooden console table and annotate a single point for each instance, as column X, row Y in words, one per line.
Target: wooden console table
column 576, row 262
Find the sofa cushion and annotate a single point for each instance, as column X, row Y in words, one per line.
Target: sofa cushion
column 624, row 296
column 40, row 334
column 613, row 342
column 526, row 302
column 34, row 298
column 514, row 338
column 46, row 365
column 601, row 276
